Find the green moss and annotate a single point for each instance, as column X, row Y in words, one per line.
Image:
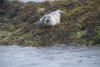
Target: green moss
column 6, row 38
column 17, row 32
column 96, row 38
column 8, row 27
column 28, row 36
column 80, row 34
column 83, row 42
column 77, row 27
column 28, row 42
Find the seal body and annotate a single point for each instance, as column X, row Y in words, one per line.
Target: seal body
column 51, row 19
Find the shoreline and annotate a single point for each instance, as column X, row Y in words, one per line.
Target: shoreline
column 79, row 25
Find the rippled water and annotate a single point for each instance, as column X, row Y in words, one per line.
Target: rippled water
column 54, row 56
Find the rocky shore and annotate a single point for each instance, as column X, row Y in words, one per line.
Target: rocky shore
column 80, row 24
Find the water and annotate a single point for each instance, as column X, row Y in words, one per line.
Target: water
column 54, row 56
